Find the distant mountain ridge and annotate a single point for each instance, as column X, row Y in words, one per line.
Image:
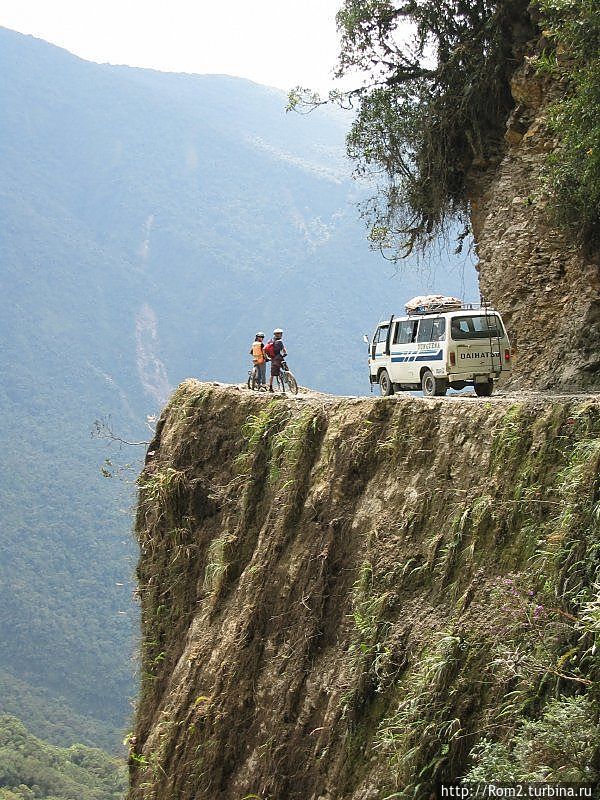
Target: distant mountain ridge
column 150, row 224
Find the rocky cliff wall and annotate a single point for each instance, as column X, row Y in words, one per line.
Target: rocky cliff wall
column 540, row 278
column 340, row 597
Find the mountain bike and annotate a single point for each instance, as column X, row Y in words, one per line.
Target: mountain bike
column 253, row 381
column 286, row 378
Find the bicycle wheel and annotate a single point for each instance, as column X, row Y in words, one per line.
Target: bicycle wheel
column 291, row 382
column 280, row 383
column 252, row 379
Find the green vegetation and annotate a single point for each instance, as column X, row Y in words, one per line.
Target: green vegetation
column 257, row 431
column 551, row 641
column 425, row 716
column 216, row 565
column 278, row 448
column 289, row 446
column 157, row 487
column 572, row 28
column 369, row 652
column 31, row 769
column 559, row 747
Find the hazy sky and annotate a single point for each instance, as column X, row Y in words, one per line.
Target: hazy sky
column 277, row 42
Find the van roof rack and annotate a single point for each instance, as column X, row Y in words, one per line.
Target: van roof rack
column 432, row 303
column 438, row 304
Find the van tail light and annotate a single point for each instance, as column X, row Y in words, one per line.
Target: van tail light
column 507, row 355
column 452, row 359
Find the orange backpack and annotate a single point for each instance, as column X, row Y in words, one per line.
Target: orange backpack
column 257, row 352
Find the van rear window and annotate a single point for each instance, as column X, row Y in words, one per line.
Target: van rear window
column 476, row 327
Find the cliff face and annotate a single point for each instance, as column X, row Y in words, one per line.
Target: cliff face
column 547, row 289
column 339, row 597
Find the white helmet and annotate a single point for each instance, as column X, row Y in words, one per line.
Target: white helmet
column 260, row 333
column 277, row 331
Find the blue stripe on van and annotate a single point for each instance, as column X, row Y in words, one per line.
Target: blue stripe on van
column 419, row 355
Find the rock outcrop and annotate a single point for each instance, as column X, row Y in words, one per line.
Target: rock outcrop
column 340, row 597
column 540, row 278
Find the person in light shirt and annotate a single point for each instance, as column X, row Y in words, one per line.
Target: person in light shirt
column 259, row 358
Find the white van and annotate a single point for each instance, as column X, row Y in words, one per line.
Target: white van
column 437, row 350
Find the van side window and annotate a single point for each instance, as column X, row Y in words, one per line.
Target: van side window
column 425, row 326
column 405, row 332
column 381, row 334
column 438, row 330
column 431, row 329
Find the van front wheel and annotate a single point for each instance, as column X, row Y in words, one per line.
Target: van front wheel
column 386, row 387
column 432, row 386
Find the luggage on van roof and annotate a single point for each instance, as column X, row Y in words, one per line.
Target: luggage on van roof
column 427, row 304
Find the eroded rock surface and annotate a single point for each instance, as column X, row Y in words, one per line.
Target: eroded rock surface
column 546, row 287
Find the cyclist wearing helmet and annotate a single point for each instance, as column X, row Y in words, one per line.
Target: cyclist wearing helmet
column 259, row 358
column 279, row 353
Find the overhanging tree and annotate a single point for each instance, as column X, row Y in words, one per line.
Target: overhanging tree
column 433, row 106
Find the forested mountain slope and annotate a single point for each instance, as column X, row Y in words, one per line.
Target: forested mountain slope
column 31, row 768
column 150, row 223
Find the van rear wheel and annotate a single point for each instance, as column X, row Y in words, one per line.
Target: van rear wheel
column 432, row 386
column 484, row 389
column 386, row 387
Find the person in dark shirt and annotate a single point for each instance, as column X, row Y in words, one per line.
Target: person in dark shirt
column 279, row 353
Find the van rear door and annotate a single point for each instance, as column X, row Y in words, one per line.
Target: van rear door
column 479, row 340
